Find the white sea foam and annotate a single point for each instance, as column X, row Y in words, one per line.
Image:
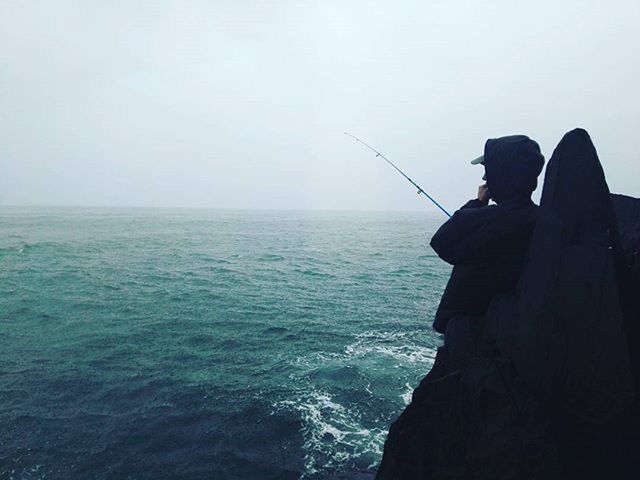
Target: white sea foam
column 404, row 354
column 398, row 345
column 406, row 396
column 333, row 433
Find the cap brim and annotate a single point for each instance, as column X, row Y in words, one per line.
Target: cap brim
column 478, row 160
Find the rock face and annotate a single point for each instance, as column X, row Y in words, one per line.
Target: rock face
column 543, row 385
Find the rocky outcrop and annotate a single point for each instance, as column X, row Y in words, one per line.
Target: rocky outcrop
column 543, row 385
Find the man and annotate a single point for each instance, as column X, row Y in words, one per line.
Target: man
column 487, row 244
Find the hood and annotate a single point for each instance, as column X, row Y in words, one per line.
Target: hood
column 512, row 165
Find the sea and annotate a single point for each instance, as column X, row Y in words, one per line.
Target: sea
column 210, row 344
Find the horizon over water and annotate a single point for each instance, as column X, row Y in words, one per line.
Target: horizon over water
column 152, row 342
column 428, row 211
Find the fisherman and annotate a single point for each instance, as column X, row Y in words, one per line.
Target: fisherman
column 487, row 244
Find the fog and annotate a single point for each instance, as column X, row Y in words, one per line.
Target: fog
column 243, row 104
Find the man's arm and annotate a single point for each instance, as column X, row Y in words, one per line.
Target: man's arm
column 464, row 229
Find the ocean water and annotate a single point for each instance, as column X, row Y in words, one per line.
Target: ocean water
column 153, row 344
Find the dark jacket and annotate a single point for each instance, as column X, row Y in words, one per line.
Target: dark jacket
column 487, row 244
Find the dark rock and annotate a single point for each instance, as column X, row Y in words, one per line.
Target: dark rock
column 627, row 211
column 542, row 386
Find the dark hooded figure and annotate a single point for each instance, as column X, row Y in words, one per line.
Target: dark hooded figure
column 487, row 244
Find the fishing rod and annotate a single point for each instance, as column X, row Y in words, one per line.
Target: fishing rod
column 420, row 190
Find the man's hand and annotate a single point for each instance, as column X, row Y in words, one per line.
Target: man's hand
column 483, row 193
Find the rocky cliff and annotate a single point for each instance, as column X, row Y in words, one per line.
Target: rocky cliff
column 543, row 385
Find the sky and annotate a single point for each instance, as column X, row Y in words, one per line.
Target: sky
column 243, row 104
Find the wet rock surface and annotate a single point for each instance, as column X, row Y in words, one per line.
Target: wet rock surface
column 543, row 385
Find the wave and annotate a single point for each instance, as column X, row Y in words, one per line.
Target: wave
column 19, row 248
column 408, row 395
column 308, row 272
column 333, row 434
column 337, row 434
column 275, row 330
column 271, row 257
column 379, row 343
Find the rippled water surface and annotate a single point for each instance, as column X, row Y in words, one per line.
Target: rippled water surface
column 158, row 344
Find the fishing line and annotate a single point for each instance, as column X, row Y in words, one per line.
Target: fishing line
column 420, row 190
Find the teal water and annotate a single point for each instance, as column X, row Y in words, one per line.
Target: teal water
column 138, row 343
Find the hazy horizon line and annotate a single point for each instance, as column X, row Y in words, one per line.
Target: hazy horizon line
column 233, row 209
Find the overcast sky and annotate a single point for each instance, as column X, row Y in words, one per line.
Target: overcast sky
column 243, row 104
